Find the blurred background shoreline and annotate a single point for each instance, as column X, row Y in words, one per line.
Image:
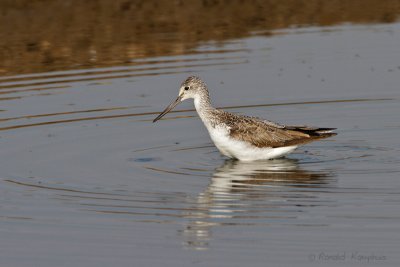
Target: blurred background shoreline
column 44, row 35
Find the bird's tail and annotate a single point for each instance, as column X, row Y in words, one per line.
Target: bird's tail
column 315, row 132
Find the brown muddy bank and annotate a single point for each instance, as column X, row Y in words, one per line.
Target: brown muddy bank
column 40, row 36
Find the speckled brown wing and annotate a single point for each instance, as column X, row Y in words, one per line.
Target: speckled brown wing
column 267, row 134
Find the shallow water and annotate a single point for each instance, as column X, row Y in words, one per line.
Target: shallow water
column 88, row 180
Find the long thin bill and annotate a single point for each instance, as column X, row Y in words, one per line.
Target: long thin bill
column 168, row 109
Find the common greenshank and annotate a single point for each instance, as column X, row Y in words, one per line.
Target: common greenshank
column 242, row 137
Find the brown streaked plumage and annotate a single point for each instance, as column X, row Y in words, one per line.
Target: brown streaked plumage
column 262, row 133
column 243, row 137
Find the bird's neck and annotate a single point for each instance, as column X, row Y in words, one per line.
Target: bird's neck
column 203, row 105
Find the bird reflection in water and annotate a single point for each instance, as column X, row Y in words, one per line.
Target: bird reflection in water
column 251, row 193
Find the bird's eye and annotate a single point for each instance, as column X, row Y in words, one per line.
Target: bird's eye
column 186, row 88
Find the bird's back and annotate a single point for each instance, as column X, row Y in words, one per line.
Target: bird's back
column 263, row 133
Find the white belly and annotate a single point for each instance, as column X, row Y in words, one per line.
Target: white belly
column 243, row 151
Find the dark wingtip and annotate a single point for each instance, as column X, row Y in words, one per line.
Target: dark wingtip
column 325, row 129
column 314, row 131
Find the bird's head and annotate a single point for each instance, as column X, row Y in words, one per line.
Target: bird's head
column 192, row 87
